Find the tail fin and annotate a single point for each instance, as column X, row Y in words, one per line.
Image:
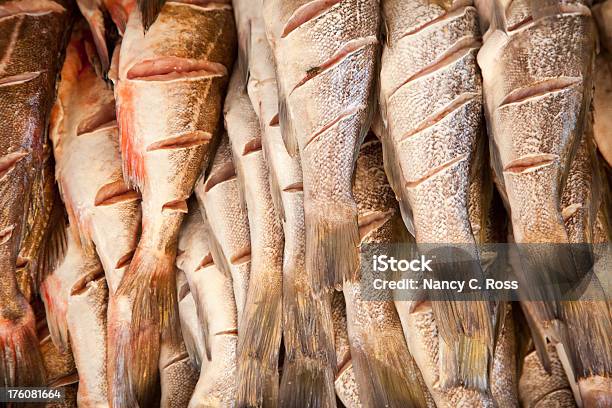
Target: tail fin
column 332, row 244
column 258, row 349
column 150, row 287
column 310, row 359
column 21, row 364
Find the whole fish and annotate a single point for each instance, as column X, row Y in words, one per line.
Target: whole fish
column 75, row 297
column 260, row 335
column 537, row 64
column 104, row 213
column 193, row 334
column 543, row 388
column 385, row 371
column 230, row 242
column 34, row 33
column 169, row 88
column 213, row 293
column 325, row 53
column 308, row 368
column 431, row 108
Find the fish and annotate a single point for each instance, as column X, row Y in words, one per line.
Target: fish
column 326, row 56
column 431, row 109
column 386, row 373
column 169, row 87
column 603, row 15
column 504, row 370
column 34, row 33
column 539, row 387
column 537, row 68
column 104, row 213
column 345, row 382
column 259, row 337
column 308, row 364
column 219, row 194
column 602, row 103
column 213, row 293
column 178, row 376
column 193, row 334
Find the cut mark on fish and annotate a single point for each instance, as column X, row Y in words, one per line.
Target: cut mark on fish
column 252, row 146
column 530, row 163
column 420, row 306
column 226, row 173
column 176, row 359
column 346, row 114
column 175, row 206
column 436, row 117
column 205, row 262
column 6, row 234
column 569, row 211
column 274, row 122
column 455, row 10
column 306, row 13
column 242, row 256
column 30, row 7
column 526, row 21
column 458, row 50
column 540, row 89
column 230, row 332
column 115, row 192
column 80, row 286
column 183, row 291
column 185, row 141
column 19, row 78
column 372, row 221
column 9, row 161
column 344, row 365
column 338, row 57
column 173, row 68
column 125, row 260
column 436, row 170
column 297, row 187
column 103, row 119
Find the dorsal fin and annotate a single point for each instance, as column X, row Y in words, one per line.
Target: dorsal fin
column 149, row 10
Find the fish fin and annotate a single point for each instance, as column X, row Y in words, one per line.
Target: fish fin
column 310, row 358
column 21, row 364
column 286, row 125
column 466, row 327
column 191, row 347
column 537, row 335
column 589, row 346
column 498, row 17
column 244, row 51
column 57, row 322
column 94, row 13
column 53, row 248
column 386, row 373
column 258, row 349
column 332, row 244
column 216, row 249
column 149, row 10
column 203, row 319
column 151, row 283
column 277, row 198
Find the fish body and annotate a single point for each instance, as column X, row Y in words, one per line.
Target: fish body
column 259, row 338
column 220, row 196
column 431, row 108
column 178, row 376
column 104, row 212
column 308, row 369
column 169, row 88
column 602, row 104
column 213, row 294
column 325, row 53
column 193, row 334
column 385, row 371
column 345, row 382
column 33, row 34
column 504, row 371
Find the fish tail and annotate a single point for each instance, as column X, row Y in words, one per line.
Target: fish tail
column 386, row 373
column 258, row 349
column 21, row 363
column 309, row 365
column 150, row 283
column 332, row 244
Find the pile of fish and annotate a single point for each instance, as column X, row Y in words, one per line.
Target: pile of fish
column 187, row 189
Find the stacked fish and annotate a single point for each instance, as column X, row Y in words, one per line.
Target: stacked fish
column 188, row 188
